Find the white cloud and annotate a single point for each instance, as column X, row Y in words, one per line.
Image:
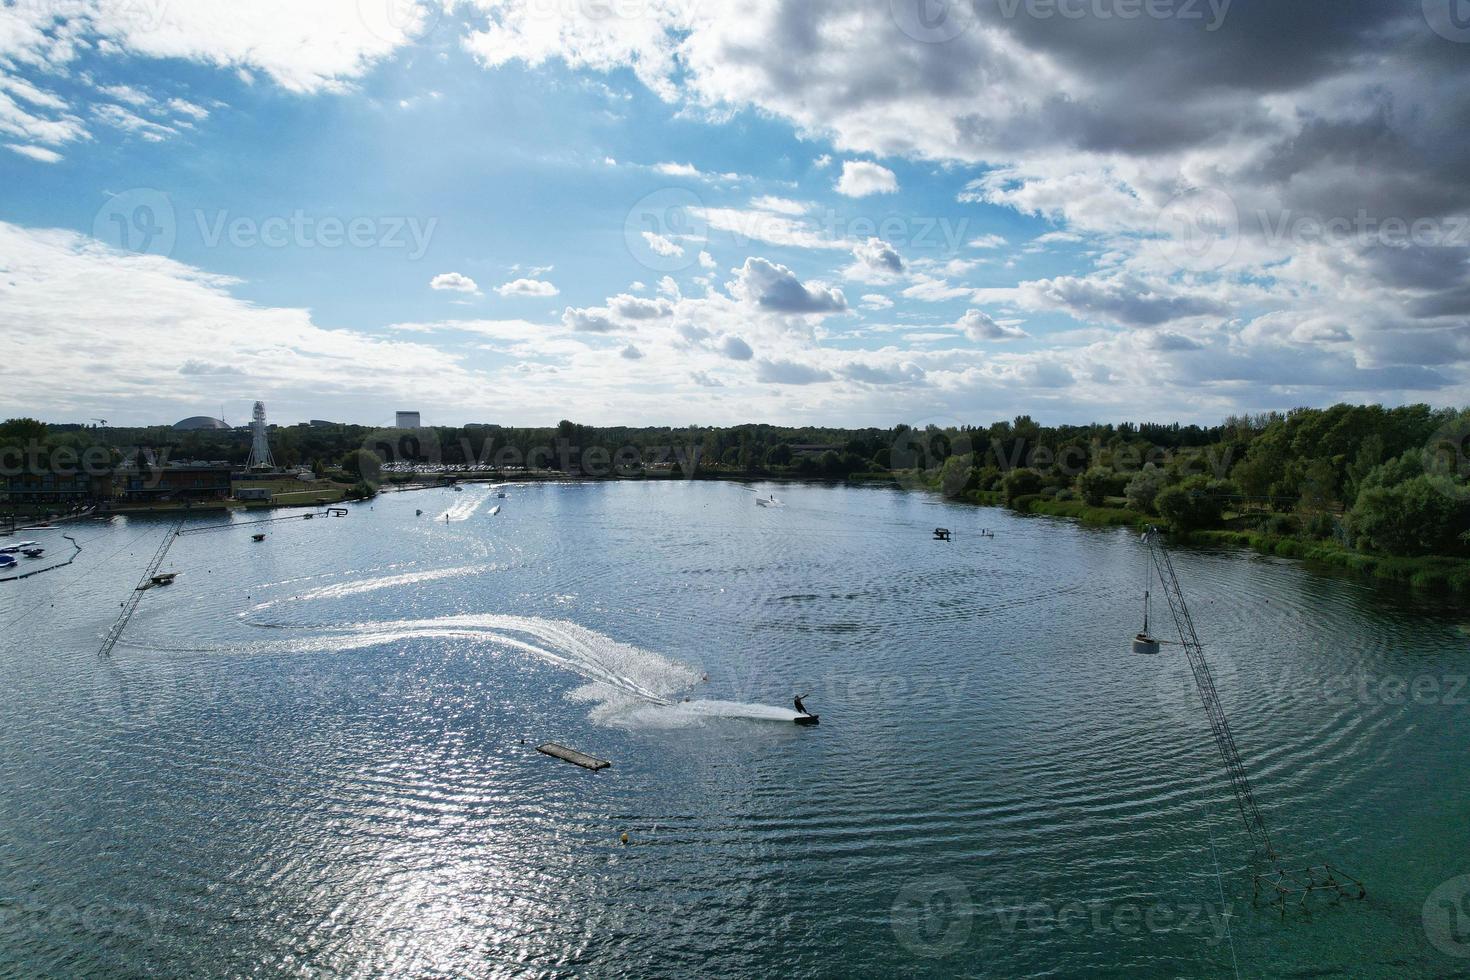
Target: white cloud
column 637, row 308
column 987, row 241
column 63, row 292
column 39, row 153
column 776, row 288
column 706, row 260
column 876, row 301
column 660, row 245
column 527, row 287
column 780, row 205
column 454, row 282
column 877, row 262
column 861, row 178
column 590, row 320
column 979, row 326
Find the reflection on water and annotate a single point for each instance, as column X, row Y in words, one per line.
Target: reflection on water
column 316, row 753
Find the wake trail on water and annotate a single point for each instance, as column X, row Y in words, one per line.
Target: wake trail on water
column 626, row 684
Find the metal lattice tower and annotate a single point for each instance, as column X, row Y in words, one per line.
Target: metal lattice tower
column 1205, row 681
column 1279, row 882
column 260, row 447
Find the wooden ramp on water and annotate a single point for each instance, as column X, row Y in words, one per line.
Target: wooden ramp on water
column 576, row 758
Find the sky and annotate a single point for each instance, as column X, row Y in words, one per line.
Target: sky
column 839, row 212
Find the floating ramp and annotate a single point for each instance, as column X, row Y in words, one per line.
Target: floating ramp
column 573, row 756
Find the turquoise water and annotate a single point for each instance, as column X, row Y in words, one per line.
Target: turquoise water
column 315, row 755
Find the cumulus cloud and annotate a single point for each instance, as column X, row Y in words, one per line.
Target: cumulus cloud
column 527, row 287
column 979, row 326
column 877, row 261
column 776, row 288
column 861, row 178
column 454, row 282
column 590, row 320
column 638, row 308
column 782, row 372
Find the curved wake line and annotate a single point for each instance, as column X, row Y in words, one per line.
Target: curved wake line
column 620, row 667
column 623, row 681
column 358, row 587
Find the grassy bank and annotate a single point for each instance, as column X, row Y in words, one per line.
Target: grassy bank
column 1432, row 572
column 1078, row 510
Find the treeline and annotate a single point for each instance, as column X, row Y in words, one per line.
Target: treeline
column 1381, row 480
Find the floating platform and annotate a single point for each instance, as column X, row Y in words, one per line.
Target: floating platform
column 576, row 758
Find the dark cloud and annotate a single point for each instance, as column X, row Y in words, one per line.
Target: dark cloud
column 789, row 373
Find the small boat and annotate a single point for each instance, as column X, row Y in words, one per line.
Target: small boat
column 459, row 489
column 806, row 719
column 17, row 548
column 164, row 578
column 257, row 537
column 418, row 513
column 943, row 534
column 494, row 510
column 7, row 561
column 501, row 494
column 34, row 552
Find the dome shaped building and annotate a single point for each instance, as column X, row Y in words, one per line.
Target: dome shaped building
column 200, row 422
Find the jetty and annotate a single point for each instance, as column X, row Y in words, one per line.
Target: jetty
column 559, row 751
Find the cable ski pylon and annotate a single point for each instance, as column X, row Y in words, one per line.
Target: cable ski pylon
column 131, row 606
column 1279, row 883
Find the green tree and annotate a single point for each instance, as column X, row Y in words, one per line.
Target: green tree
column 958, row 475
column 1196, row 503
column 1420, row 516
column 1097, row 484
column 1021, row 483
column 1143, row 490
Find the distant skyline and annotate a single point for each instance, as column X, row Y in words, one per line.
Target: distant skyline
column 665, row 212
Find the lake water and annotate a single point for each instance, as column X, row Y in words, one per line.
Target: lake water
column 315, row 754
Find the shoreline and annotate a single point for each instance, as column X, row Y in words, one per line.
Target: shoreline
column 1429, row 573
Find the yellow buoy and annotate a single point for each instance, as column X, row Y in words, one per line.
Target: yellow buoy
column 625, row 837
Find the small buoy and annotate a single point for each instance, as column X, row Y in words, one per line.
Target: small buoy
column 625, row 837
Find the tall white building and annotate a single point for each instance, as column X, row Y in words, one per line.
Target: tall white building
column 408, row 420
